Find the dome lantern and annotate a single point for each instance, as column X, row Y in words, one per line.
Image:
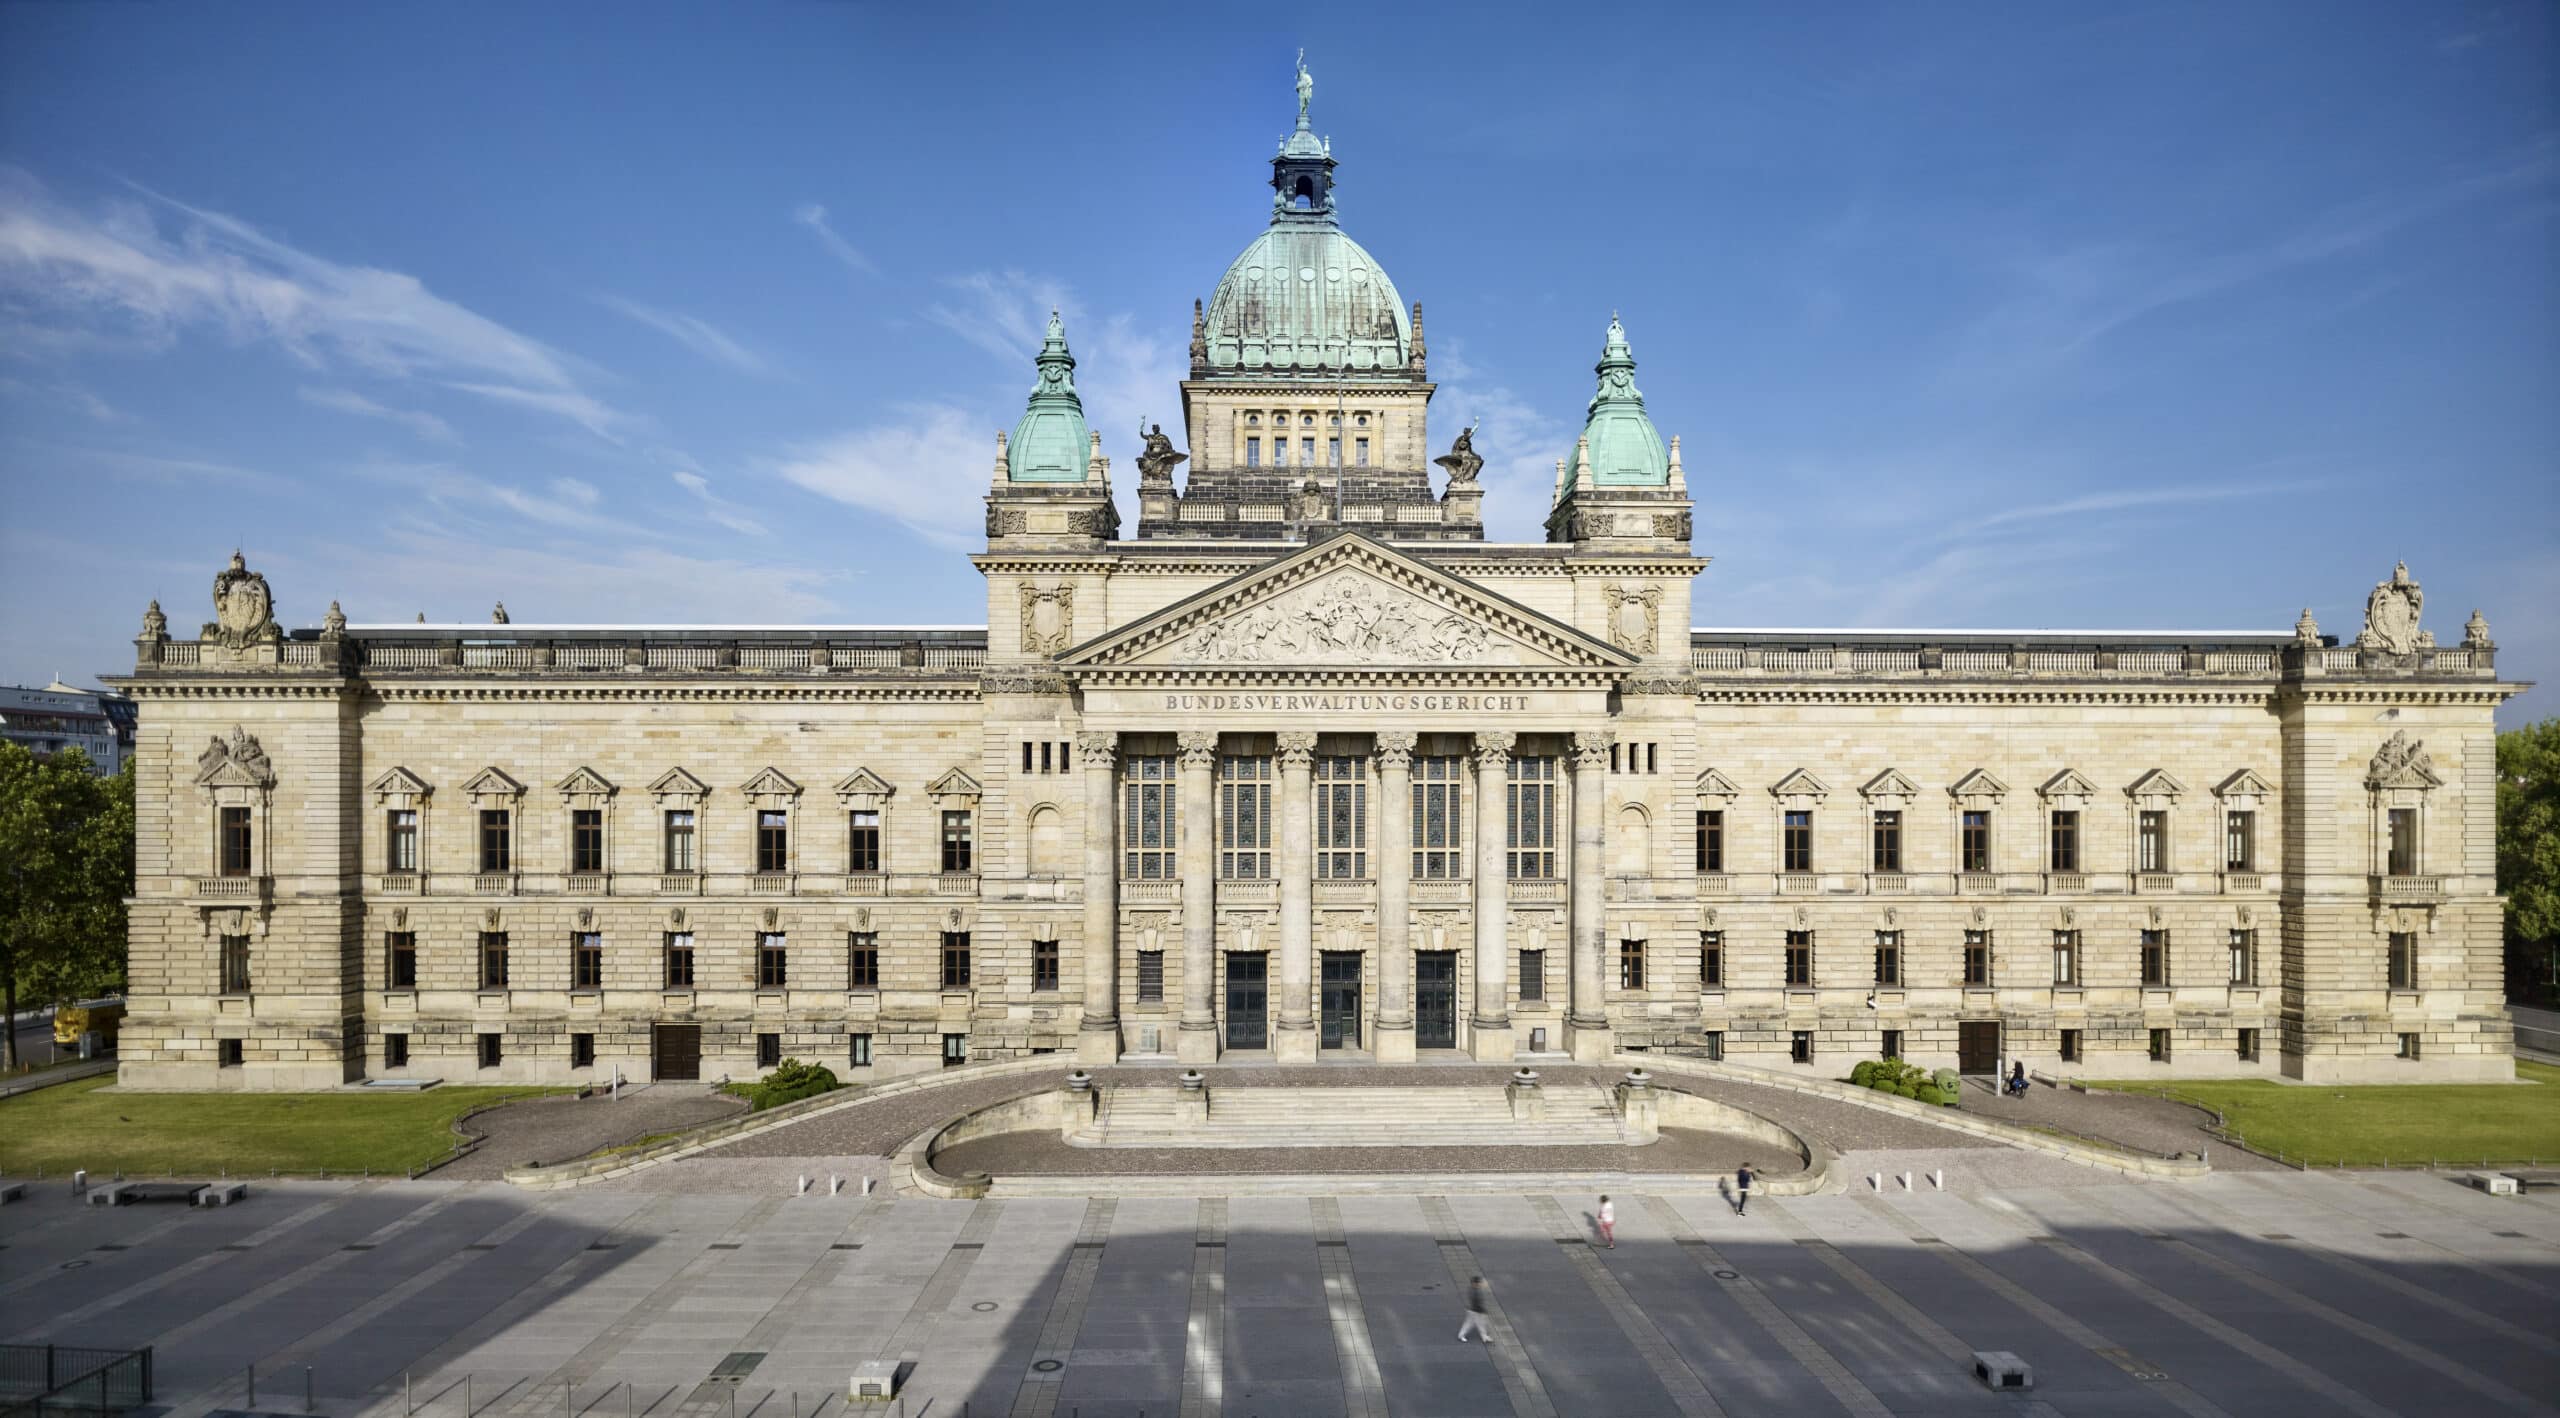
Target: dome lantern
column 1050, row 445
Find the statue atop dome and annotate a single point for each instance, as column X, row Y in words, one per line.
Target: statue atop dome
column 1306, row 88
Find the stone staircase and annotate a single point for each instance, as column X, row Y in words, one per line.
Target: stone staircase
column 1275, row 1116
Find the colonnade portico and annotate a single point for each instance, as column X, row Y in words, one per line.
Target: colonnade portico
column 1391, row 1026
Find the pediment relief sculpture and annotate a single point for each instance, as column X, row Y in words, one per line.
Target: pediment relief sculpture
column 771, row 783
column 1048, row 618
column 1344, row 618
column 956, row 783
column 2244, row 783
column 401, row 784
column 493, row 783
column 1633, row 614
column 1714, row 785
column 243, row 608
column 2402, row 762
column 1889, row 784
column 2391, row 615
column 586, row 783
column 2067, row 784
column 2156, row 784
column 676, row 784
column 863, row 789
column 1800, row 784
column 235, row 762
column 1978, row 784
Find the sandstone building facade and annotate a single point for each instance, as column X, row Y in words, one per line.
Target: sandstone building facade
column 1309, row 768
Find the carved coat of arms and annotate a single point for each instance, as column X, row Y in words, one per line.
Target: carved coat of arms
column 1048, row 618
column 2391, row 615
column 1632, row 616
column 243, row 609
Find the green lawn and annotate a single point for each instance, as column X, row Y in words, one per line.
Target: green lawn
column 2375, row 1123
column 198, row 1134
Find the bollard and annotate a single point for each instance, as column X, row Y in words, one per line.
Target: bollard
column 804, row 1187
column 1906, row 1181
column 573, row 1398
column 733, row 1401
column 835, row 1184
column 1938, row 1178
column 1876, row 1180
column 79, row 1181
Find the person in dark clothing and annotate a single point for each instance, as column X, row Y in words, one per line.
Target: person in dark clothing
column 2017, row 1080
column 1742, row 1191
column 1479, row 1303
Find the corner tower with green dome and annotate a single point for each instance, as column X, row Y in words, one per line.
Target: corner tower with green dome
column 1052, row 484
column 1307, row 405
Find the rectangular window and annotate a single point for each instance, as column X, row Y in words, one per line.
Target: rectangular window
column 862, row 960
column 2404, row 841
column 1796, row 842
column 2066, row 957
column 680, row 856
column 1889, row 958
column 395, row 1051
column 1888, row 842
column 1342, row 818
column 1439, row 837
column 1715, row 1045
column 1533, row 975
column 1360, row 452
column 401, row 969
column 404, row 840
column 1630, row 964
column 2239, row 841
column 492, row 1050
column 235, row 842
column 586, row 840
column 2155, row 959
column 1800, row 959
column 773, row 961
column 1893, row 1043
column 1710, row 840
column 235, row 965
column 1711, row 959
column 1044, row 965
column 2244, row 957
column 1530, row 793
column 582, row 1051
column 1800, row 1046
column 1977, row 958
column 2071, row 1046
column 493, row 960
column 1333, row 452
column 2409, row 1047
column 586, row 960
column 2151, row 841
column 1977, row 841
column 865, row 830
column 1306, row 452
column 2159, row 1046
column 768, row 1050
column 2404, row 960
column 955, row 1050
column 679, row 960
column 955, row 960
column 497, row 840
column 1151, row 846
column 2248, row 1046
column 2064, row 854
column 228, row 1053
column 1253, row 452
column 959, row 843
column 1151, row 976
column 858, row 1050
column 1244, row 819
column 773, row 841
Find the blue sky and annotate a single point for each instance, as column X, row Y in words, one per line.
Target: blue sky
column 1968, row 315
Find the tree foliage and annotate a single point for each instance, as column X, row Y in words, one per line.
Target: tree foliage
column 66, row 866
column 2529, row 829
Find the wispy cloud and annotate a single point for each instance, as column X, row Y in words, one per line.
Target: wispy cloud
column 2130, row 499
column 594, row 415
column 1518, row 440
column 416, row 567
column 880, row 468
column 719, row 509
column 499, row 509
column 66, row 395
column 348, row 401
column 814, row 217
column 1004, row 313
column 697, row 335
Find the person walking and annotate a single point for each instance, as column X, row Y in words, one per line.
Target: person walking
column 1479, row 1302
column 1742, row 1191
column 1608, row 1223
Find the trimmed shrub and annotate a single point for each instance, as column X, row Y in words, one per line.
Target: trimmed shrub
column 1864, row 1075
column 1906, row 1090
column 1930, row 1094
column 790, row 1082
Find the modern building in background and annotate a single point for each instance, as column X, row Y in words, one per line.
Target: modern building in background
column 59, row 716
column 1308, row 769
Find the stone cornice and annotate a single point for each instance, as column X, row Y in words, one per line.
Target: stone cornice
column 1947, row 692
column 1289, row 677
column 766, row 691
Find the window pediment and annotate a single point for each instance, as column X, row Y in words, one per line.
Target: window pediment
column 770, row 789
column 1978, row 787
column 955, row 789
column 1800, row 789
column 400, row 788
column 2244, row 784
column 237, row 762
column 2156, row 787
column 492, row 788
column 864, row 789
column 1716, row 790
column 2067, row 788
column 1889, row 785
column 2402, row 763
column 586, row 788
column 676, row 788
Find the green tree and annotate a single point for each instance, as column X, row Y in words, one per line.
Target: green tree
column 2529, row 847
column 66, row 866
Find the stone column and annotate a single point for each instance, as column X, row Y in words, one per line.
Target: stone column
column 1295, row 1038
column 1099, row 1039
column 1197, row 1040
column 1392, row 1039
column 1587, row 1019
column 1490, row 1025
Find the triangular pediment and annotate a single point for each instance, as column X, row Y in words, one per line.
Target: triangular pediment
column 1978, row 784
column 1890, row 784
column 954, row 783
column 2245, row 784
column 2402, row 762
column 2156, row 784
column 1713, row 784
column 399, row 782
column 586, row 783
column 2069, row 783
column 1347, row 603
column 770, row 783
column 864, row 784
column 493, row 783
column 1800, row 784
column 676, row 782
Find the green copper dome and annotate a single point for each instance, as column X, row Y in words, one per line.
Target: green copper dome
column 1050, row 445
column 1625, row 449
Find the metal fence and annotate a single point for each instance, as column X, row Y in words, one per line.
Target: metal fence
column 49, row 1379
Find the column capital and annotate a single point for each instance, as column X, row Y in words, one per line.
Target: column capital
column 1591, row 750
column 1493, row 750
column 1297, row 748
column 1395, row 749
column 1098, row 750
column 1199, row 747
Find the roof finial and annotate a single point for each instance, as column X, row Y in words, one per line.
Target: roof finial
column 1306, row 88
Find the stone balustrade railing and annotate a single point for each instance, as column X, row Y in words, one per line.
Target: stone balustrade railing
column 960, row 653
column 1749, row 655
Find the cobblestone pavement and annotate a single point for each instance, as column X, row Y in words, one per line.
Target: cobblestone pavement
column 2156, row 1126
column 2260, row 1293
column 556, row 1129
column 1679, row 1150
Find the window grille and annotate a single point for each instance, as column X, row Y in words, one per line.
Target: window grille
column 1342, row 818
column 1439, row 830
column 1531, row 819
column 1244, row 819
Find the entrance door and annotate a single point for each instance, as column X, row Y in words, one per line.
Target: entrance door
column 1339, row 1018
column 677, row 1057
column 1248, row 995
column 1435, row 999
column 1978, row 1046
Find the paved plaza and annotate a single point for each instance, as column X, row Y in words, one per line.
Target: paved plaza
column 2263, row 1292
